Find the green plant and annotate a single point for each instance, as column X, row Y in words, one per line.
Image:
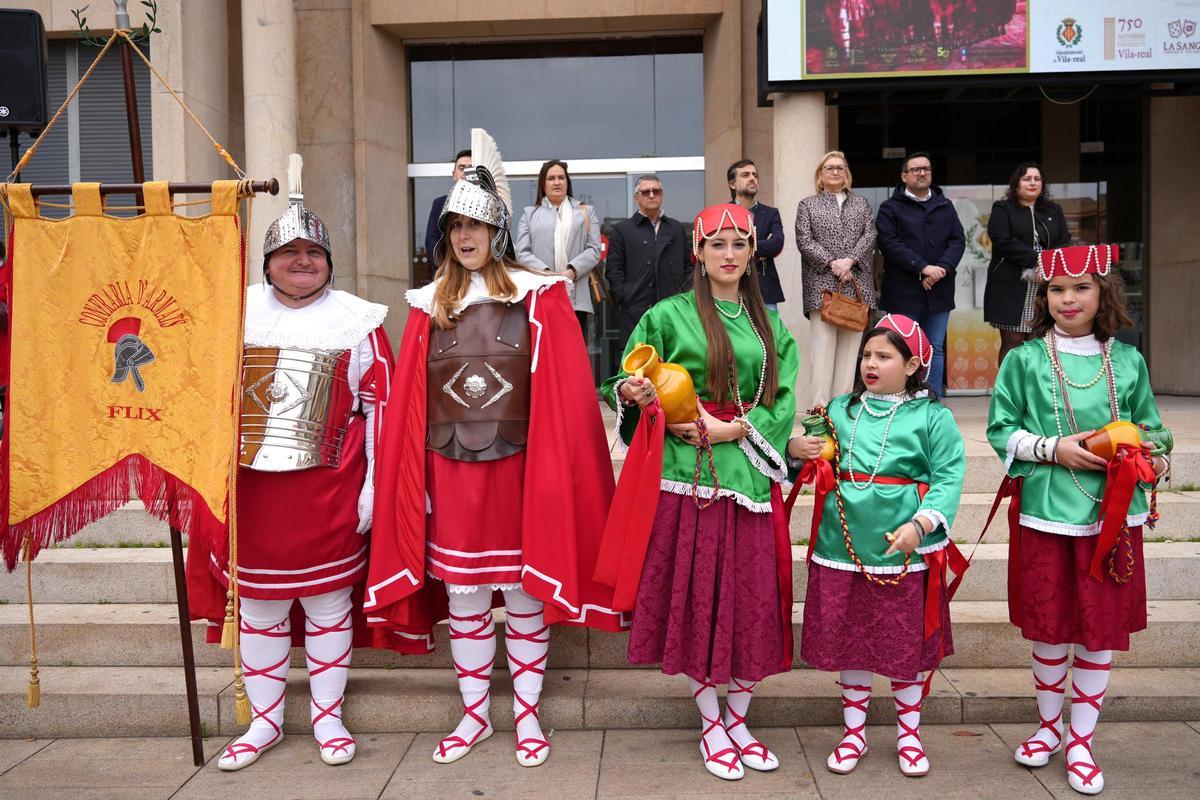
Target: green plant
column 141, row 34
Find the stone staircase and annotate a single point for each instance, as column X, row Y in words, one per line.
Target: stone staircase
column 110, row 655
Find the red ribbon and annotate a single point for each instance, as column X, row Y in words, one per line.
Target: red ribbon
column 631, row 516
column 819, row 473
column 1129, row 466
column 783, row 569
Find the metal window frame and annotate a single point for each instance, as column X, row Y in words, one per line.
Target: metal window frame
column 592, row 167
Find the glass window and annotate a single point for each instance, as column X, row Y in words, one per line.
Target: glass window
column 593, row 114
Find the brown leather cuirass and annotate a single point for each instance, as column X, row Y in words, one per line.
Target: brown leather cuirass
column 477, row 390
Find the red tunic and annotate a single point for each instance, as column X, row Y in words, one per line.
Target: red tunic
column 297, row 532
column 565, row 485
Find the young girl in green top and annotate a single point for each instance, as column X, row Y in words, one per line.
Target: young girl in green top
column 1076, row 576
column 877, row 600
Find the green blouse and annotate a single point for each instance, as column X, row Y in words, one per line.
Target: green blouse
column 1024, row 402
column 746, row 468
column 924, row 445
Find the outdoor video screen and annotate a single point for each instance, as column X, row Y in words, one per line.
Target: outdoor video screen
column 822, row 40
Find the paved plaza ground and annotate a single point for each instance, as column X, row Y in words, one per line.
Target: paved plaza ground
column 1143, row 760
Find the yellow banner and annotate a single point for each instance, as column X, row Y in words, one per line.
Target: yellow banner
column 125, row 342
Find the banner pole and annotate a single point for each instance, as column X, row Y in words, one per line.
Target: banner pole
column 185, row 638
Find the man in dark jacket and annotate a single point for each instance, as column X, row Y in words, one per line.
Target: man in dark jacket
column 462, row 162
column 743, row 190
column 922, row 241
column 649, row 257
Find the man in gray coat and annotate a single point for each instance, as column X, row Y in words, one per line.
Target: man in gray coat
column 649, row 257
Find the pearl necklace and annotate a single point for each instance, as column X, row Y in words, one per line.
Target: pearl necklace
column 726, row 314
column 1059, row 383
column 1052, row 344
column 890, row 414
column 743, row 410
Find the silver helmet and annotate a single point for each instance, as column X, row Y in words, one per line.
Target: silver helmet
column 297, row 222
column 482, row 194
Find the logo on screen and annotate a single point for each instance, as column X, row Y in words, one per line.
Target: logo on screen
column 1181, row 28
column 1070, row 32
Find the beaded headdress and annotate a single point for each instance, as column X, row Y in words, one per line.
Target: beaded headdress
column 918, row 343
column 1072, row 262
column 297, row 222
column 482, row 194
column 715, row 219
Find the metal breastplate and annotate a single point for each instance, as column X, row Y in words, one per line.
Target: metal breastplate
column 288, row 419
column 478, row 384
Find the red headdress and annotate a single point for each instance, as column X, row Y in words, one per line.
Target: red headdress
column 1072, row 262
column 908, row 330
column 715, row 219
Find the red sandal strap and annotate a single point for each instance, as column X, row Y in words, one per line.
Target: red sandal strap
column 340, row 744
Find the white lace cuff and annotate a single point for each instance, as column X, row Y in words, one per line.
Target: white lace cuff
column 755, row 446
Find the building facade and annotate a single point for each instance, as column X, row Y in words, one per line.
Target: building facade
column 378, row 95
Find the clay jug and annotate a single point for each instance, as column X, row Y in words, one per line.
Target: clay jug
column 1104, row 442
column 672, row 383
column 815, row 426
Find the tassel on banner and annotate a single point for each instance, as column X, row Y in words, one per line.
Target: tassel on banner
column 229, row 629
column 33, row 697
column 241, row 703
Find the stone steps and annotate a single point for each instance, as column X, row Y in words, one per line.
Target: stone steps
column 145, row 575
column 122, row 701
column 135, row 634
column 130, row 526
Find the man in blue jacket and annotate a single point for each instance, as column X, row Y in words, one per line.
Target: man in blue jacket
column 462, row 162
column 922, row 241
column 743, row 190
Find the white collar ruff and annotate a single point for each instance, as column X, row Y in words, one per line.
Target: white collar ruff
column 477, row 292
column 336, row 320
column 1077, row 345
column 898, row 396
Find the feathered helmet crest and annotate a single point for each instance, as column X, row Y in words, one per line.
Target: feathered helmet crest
column 482, row 194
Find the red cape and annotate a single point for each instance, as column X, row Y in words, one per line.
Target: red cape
column 568, row 486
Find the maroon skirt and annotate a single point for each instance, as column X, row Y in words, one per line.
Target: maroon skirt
column 1053, row 598
column 851, row 623
column 708, row 601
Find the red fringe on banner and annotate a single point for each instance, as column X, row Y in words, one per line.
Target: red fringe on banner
column 166, row 497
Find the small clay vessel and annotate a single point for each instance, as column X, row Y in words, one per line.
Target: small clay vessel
column 1104, row 442
column 815, row 426
column 672, row 383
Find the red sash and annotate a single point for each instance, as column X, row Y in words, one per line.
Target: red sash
column 1129, row 466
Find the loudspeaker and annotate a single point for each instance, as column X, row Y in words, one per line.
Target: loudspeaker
column 22, row 71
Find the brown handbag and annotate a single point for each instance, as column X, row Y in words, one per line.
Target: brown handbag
column 596, row 280
column 848, row 313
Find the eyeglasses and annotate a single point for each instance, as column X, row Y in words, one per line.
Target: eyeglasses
column 833, row 168
column 919, row 170
column 650, row 192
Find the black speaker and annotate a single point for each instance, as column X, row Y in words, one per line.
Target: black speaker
column 22, row 71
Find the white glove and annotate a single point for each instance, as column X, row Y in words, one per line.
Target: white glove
column 366, row 500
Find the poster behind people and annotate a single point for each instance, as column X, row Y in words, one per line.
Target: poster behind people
column 855, row 39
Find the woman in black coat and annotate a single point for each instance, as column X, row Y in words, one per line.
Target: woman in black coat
column 1023, row 223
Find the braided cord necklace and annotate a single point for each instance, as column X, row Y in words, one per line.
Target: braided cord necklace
column 841, row 504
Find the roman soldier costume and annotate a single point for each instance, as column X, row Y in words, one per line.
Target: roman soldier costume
column 315, row 382
column 494, row 472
